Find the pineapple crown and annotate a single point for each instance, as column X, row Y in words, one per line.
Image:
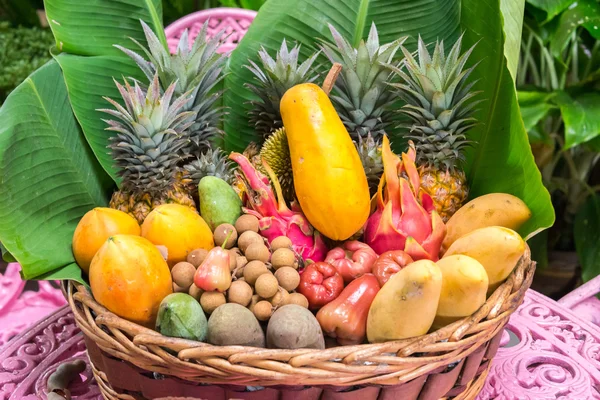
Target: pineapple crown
column 198, row 69
column 272, row 80
column 149, row 136
column 360, row 95
column 212, row 162
column 439, row 101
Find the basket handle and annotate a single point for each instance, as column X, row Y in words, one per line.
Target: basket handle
column 582, row 293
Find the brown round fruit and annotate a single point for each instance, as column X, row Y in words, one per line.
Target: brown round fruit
column 246, row 223
column 281, row 242
column 297, row 298
column 266, row 286
column 253, row 270
column 280, row 298
column 284, row 258
column 247, row 238
column 197, row 256
column 183, row 274
column 255, row 299
column 288, row 278
column 232, row 260
column 241, row 262
column 262, row 310
column 257, row 251
column 239, row 292
column 222, row 232
column 178, row 289
column 211, row 300
column 195, row 292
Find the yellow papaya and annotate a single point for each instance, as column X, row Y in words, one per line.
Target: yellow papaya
column 329, row 179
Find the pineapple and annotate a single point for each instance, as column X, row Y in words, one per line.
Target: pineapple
column 276, row 152
column 370, row 156
column 440, row 103
column 360, row 95
column 146, row 148
column 212, row 162
column 198, row 69
column 272, row 80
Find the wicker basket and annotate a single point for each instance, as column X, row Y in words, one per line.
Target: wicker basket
column 133, row 362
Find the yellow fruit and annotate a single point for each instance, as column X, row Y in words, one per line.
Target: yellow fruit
column 179, row 228
column 464, row 285
column 95, row 227
column 497, row 248
column 330, row 182
column 130, row 277
column 406, row 305
column 494, row 209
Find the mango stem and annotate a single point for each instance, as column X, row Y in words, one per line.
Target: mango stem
column 331, row 77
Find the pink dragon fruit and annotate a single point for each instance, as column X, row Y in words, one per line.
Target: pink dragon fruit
column 275, row 218
column 405, row 218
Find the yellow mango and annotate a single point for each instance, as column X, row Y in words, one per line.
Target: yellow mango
column 330, row 182
column 406, row 305
column 494, row 209
column 497, row 248
column 464, row 287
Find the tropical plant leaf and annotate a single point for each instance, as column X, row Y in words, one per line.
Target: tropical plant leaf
column 501, row 160
column 584, row 13
column 512, row 14
column 85, row 33
column 304, row 21
column 581, row 115
column 91, row 28
column 587, row 237
column 50, row 177
column 551, row 7
column 534, row 106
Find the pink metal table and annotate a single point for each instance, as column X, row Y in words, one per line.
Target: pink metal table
column 547, row 351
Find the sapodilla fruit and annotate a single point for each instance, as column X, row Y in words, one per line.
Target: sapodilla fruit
column 180, row 229
column 130, row 277
column 95, row 227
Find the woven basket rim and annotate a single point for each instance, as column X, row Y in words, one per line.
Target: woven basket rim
column 378, row 363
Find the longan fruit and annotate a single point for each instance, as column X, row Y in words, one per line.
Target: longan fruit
column 183, row 274
column 255, row 299
column 262, row 310
column 281, row 242
column 266, row 286
column 195, row 292
column 232, row 260
column 241, row 261
column 221, row 233
column 245, row 223
column 247, row 238
column 239, row 292
column 283, row 258
column 211, row 300
column 280, row 298
column 253, row 270
column 257, row 251
column 236, row 251
column 178, row 289
column 195, row 257
column 297, row 298
column 288, row 278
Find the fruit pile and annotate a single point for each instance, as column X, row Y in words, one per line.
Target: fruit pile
column 319, row 234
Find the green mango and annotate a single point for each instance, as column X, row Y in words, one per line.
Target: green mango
column 180, row 315
column 219, row 203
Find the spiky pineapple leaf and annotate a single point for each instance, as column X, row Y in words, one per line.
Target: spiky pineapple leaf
column 501, row 160
column 303, row 21
column 85, row 33
column 50, row 177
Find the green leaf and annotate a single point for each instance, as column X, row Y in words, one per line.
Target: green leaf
column 582, row 13
column 6, row 256
column 89, row 79
column 534, row 107
column 551, row 7
column 86, row 33
column 304, row 21
column 512, row 14
column 92, row 27
column 501, row 160
column 587, row 237
column 50, row 177
column 581, row 115
column 539, row 249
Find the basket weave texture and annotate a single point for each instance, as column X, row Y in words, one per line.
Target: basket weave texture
column 133, row 362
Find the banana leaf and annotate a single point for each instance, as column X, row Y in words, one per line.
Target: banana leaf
column 500, row 159
column 85, row 34
column 50, row 177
